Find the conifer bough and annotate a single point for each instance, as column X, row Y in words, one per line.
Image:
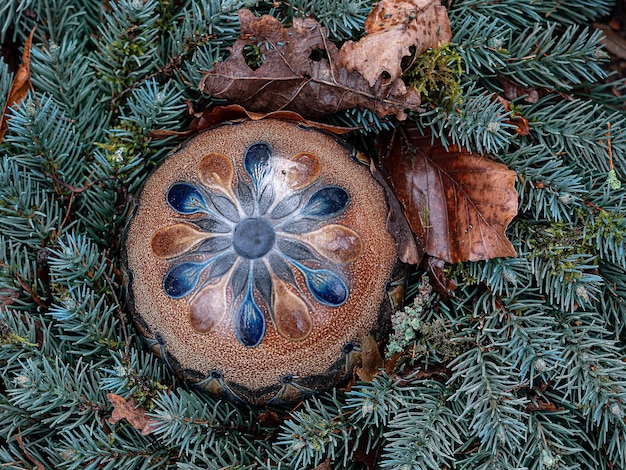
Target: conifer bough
column 521, row 368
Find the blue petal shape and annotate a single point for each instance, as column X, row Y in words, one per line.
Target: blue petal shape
column 249, row 322
column 186, row 199
column 266, row 199
column 182, row 278
column 295, row 249
column 325, row 286
column 282, row 269
column 256, row 162
column 326, row 203
column 262, row 282
column 240, row 277
column 214, row 225
column 222, row 264
column 226, row 207
column 286, row 207
column 214, row 245
column 246, row 199
column 299, row 226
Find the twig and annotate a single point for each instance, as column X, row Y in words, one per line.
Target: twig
column 74, row 189
column 120, row 313
column 609, row 148
column 20, row 442
column 30, row 291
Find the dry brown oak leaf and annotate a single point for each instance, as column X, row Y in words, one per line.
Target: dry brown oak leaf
column 371, row 359
column 457, row 203
column 127, row 409
column 396, row 29
column 301, row 71
column 19, row 87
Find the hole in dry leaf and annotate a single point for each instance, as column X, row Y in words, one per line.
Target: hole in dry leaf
column 252, row 55
column 408, row 60
column 317, row 54
column 386, row 75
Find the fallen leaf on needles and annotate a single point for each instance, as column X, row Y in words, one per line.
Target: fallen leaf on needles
column 235, row 112
column 19, row 87
column 325, row 465
column 410, row 250
column 457, row 203
column 542, row 406
column 7, row 296
column 298, row 69
column 390, row 364
column 612, row 41
column 270, row 419
column 438, row 280
column 521, row 123
column 366, row 455
column 128, row 410
column 20, row 442
column 512, row 90
column 396, row 29
column 371, row 359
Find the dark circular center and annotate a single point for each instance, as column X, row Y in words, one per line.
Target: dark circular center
column 253, row 238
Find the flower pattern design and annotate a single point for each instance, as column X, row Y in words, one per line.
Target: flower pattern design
column 260, row 236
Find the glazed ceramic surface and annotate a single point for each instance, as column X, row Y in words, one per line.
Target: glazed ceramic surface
column 258, row 257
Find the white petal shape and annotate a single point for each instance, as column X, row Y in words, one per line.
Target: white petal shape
column 337, row 243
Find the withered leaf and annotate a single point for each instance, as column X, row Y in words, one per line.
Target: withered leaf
column 7, row 296
column 390, row 364
column 27, row 454
column 612, row 41
column 512, row 90
column 396, row 29
column 458, row 203
column 371, row 359
column 325, row 465
column 410, row 250
column 301, row 71
column 20, row 86
column 235, row 112
column 128, row 410
column 521, row 123
column 542, row 406
column 440, row 283
column 271, row 419
column 366, row 455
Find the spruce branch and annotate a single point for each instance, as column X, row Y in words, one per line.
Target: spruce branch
column 538, row 381
column 426, row 433
column 344, row 18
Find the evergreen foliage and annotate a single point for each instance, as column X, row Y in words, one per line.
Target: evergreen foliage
column 522, row 368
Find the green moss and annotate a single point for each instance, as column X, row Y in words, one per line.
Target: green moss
column 126, row 142
column 605, row 225
column 165, row 15
column 144, row 389
column 125, row 52
column 436, row 75
column 8, row 336
column 557, row 240
column 198, row 40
